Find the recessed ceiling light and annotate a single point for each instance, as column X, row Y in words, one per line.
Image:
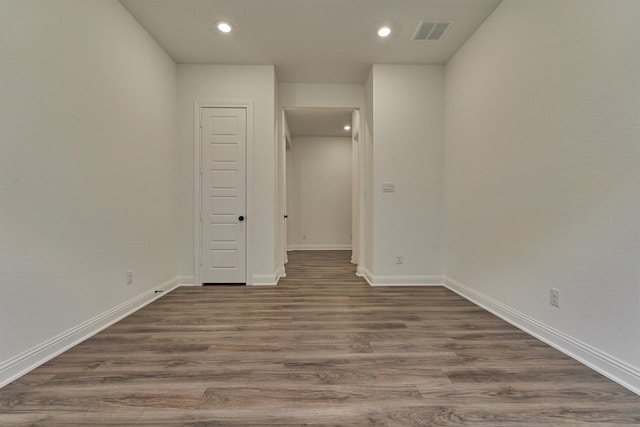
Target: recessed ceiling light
column 347, row 127
column 384, row 31
column 224, row 26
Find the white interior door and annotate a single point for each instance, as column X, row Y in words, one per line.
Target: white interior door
column 223, row 135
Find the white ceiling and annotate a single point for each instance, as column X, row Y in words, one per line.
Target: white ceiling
column 319, row 121
column 309, row 41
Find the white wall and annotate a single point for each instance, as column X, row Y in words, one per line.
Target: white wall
column 543, row 171
column 88, row 169
column 320, row 193
column 408, row 142
column 224, row 83
column 318, row 95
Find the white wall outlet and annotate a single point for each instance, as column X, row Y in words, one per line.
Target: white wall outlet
column 129, row 277
column 554, row 297
column 388, row 187
column 399, row 259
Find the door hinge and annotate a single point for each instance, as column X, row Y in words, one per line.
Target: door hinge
column 201, row 125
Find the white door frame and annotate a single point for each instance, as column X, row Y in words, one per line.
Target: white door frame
column 287, row 146
column 198, row 105
column 355, row 196
column 357, row 188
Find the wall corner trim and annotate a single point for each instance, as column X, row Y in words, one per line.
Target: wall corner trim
column 616, row 370
column 265, row 279
column 364, row 272
column 186, row 281
column 281, row 272
column 17, row 366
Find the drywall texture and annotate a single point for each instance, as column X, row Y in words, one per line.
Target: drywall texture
column 543, row 167
column 320, row 95
column 231, row 83
column 407, row 150
column 88, row 166
column 320, row 193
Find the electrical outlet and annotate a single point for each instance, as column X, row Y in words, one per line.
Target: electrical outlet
column 129, row 277
column 554, row 297
column 399, row 259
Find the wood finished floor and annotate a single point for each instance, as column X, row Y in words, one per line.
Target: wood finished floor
column 322, row 348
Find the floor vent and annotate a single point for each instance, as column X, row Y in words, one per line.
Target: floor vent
column 431, row 30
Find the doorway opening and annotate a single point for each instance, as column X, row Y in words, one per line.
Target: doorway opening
column 321, row 179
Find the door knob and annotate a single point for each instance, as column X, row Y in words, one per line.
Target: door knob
column 241, row 218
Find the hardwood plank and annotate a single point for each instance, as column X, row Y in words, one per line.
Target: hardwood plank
column 510, row 415
column 321, row 348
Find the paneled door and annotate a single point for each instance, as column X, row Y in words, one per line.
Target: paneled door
column 223, row 135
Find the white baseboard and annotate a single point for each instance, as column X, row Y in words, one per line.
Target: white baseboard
column 622, row 373
column 406, row 281
column 319, row 248
column 186, row 280
column 374, row 280
column 27, row 361
column 264, row 280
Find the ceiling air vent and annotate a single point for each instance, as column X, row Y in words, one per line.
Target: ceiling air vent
column 431, row 30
